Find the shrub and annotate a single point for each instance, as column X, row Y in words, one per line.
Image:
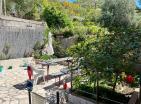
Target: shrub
column 65, row 32
column 55, row 18
column 6, row 49
column 104, row 94
column 37, row 50
column 45, row 57
column 59, row 51
column 3, row 56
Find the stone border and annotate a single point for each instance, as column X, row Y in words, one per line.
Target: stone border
column 10, row 18
column 8, row 21
column 78, row 100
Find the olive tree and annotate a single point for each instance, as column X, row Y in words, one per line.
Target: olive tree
column 118, row 13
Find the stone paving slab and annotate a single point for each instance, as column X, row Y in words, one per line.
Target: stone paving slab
column 11, row 81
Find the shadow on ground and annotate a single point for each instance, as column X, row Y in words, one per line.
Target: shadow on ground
column 20, row 86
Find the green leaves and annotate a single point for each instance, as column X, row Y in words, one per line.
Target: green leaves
column 117, row 51
column 55, row 18
column 118, row 13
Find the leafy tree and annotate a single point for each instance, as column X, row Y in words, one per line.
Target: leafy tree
column 37, row 10
column 55, row 18
column 118, row 13
column 21, row 7
column 72, row 8
column 110, row 52
column 28, row 9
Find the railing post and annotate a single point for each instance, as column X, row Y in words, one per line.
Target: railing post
column 29, row 95
column 29, row 86
column 57, row 96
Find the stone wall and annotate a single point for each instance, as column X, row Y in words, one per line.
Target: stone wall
column 18, row 36
column 67, row 42
column 78, row 100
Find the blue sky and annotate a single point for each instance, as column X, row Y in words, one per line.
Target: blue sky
column 71, row 1
column 138, row 4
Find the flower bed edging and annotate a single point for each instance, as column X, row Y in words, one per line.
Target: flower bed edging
column 78, row 100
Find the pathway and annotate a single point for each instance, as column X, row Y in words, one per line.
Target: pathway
column 12, row 82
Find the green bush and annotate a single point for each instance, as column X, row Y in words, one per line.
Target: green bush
column 45, row 57
column 3, row 56
column 55, row 18
column 59, row 51
column 103, row 93
column 37, row 50
column 65, row 32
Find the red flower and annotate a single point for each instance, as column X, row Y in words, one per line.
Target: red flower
column 129, row 79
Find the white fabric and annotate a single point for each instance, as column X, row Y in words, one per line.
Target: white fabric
column 49, row 48
column 37, row 74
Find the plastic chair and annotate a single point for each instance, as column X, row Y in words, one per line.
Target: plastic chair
column 37, row 74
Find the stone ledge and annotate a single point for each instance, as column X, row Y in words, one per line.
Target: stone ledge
column 78, row 100
column 10, row 18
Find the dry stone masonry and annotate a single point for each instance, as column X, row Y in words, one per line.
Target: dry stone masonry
column 19, row 36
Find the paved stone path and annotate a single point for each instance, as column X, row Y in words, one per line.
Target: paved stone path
column 12, row 82
column 10, row 79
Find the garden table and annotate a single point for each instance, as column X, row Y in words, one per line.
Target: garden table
column 54, row 61
column 65, row 70
column 57, row 75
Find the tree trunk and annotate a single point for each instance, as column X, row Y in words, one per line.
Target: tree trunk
column 95, row 4
column 114, row 86
column 1, row 7
column 4, row 4
column 97, row 87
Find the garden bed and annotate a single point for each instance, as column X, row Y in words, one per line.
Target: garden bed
column 106, row 96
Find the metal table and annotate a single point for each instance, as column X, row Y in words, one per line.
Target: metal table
column 54, row 61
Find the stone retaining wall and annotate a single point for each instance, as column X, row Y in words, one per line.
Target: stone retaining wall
column 19, row 36
column 78, row 100
column 67, row 42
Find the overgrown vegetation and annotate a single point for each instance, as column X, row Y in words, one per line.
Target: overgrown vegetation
column 108, row 38
column 55, row 18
